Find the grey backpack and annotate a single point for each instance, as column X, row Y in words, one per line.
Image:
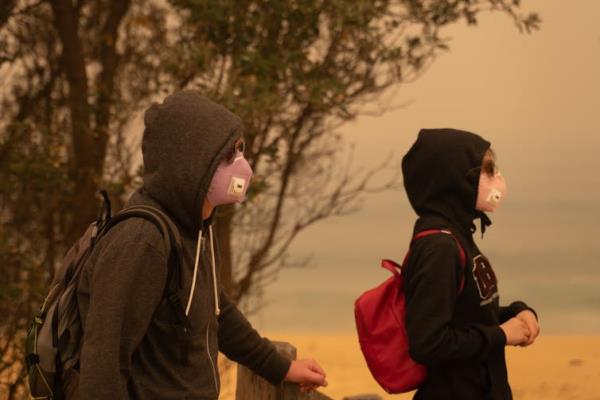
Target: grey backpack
column 54, row 340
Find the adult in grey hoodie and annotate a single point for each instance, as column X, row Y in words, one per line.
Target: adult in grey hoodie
column 133, row 346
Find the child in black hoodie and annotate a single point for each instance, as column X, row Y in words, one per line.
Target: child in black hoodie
column 459, row 334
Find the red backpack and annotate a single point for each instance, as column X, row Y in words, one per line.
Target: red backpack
column 380, row 321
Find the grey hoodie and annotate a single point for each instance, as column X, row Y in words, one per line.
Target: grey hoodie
column 133, row 346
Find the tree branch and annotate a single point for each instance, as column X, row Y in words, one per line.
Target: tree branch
column 244, row 284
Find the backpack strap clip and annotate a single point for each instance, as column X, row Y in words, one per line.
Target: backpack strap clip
column 105, row 211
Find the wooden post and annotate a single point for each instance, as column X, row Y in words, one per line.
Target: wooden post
column 252, row 387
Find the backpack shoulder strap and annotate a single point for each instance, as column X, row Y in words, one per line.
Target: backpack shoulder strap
column 167, row 228
column 461, row 250
column 173, row 242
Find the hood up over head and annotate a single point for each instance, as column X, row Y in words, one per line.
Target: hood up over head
column 185, row 138
column 441, row 176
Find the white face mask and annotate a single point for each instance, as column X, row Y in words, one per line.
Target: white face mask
column 492, row 190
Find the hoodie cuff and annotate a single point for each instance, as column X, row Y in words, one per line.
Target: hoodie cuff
column 276, row 368
column 518, row 306
column 496, row 337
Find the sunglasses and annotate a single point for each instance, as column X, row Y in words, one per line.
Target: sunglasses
column 238, row 147
column 490, row 167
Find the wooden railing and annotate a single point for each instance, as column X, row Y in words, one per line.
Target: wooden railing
column 252, row 387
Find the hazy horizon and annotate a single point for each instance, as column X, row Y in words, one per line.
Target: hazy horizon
column 536, row 98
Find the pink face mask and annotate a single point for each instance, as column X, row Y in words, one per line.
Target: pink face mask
column 230, row 182
column 492, row 190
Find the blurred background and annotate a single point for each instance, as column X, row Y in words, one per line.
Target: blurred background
column 332, row 94
column 536, row 98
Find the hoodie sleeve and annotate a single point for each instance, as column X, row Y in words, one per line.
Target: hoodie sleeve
column 241, row 343
column 511, row 311
column 433, row 278
column 125, row 287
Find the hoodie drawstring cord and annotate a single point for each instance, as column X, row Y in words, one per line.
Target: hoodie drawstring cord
column 485, row 222
column 196, row 262
column 214, row 272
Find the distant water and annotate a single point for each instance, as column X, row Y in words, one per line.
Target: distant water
column 545, row 252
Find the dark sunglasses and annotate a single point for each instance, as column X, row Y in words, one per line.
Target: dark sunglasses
column 489, row 167
column 238, row 147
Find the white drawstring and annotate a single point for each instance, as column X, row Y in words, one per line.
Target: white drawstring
column 214, row 272
column 191, row 296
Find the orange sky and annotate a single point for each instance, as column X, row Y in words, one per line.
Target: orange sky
column 536, row 98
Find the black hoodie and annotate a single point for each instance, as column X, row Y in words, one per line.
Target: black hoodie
column 133, row 347
column 456, row 335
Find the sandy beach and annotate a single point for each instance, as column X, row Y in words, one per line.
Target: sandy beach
column 555, row 368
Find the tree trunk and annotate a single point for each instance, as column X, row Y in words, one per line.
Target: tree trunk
column 66, row 23
column 88, row 145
